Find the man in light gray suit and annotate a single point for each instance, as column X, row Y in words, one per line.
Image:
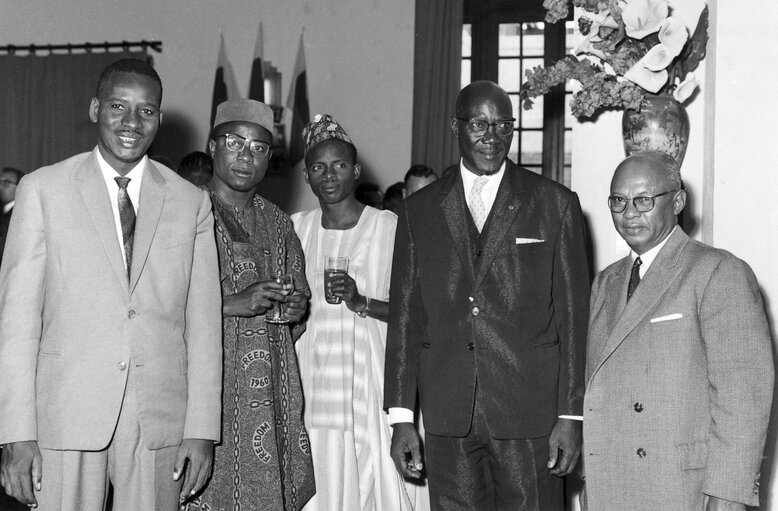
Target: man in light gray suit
column 679, row 365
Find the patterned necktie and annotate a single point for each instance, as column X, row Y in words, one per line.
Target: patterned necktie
column 477, row 206
column 634, row 278
column 127, row 217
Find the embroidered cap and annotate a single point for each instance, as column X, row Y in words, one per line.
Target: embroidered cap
column 244, row 110
column 323, row 127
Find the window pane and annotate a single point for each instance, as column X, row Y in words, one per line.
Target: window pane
column 467, row 40
column 531, row 147
column 533, row 40
column 508, row 74
column 569, row 119
column 509, row 40
column 515, row 109
column 466, row 72
column 513, row 152
column 568, row 147
column 535, row 169
column 569, row 36
column 533, row 118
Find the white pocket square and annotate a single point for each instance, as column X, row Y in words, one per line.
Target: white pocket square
column 523, row 241
column 669, row 317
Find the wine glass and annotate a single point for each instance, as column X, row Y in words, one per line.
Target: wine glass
column 276, row 313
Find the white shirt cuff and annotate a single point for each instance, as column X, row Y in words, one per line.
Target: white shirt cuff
column 397, row 414
column 572, row 417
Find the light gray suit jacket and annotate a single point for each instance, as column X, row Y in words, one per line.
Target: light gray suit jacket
column 72, row 327
column 679, row 382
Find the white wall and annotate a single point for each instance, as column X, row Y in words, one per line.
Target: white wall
column 359, row 56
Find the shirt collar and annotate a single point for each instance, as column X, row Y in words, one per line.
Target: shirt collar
column 109, row 173
column 648, row 257
column 468, row 178
column 8, row 207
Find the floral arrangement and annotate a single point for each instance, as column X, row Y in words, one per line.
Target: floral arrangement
column 630, row 48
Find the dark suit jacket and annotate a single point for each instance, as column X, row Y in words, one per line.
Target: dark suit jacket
column 5, row 221
column 513, row 313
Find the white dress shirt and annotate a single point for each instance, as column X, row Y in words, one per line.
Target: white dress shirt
column 647, row 258
column 133, row 190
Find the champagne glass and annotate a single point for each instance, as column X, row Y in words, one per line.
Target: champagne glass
column 276, row 313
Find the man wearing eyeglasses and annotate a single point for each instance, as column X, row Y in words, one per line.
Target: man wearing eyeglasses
column 679, row 364
column 9, row 180
column 488, row 311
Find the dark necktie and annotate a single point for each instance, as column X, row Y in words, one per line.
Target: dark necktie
column 127, row 217
column 634, row 278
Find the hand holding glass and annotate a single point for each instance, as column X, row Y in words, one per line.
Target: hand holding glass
column 276, row 313
column 334, row 267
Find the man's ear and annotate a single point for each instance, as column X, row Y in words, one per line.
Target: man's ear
column 305, row 175
column 679, row 202
column 357, row 170
column 94, row 107
column 211, row 147
column 454, row 126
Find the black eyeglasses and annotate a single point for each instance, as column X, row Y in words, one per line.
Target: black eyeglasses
column 237, row 143
column 478, row 127
column 642, row 204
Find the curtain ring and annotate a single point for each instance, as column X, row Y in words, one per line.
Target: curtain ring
column 70, row 49
column 88, row 47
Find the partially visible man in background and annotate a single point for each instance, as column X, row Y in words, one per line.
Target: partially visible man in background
column 417, row 177
column 9, row 180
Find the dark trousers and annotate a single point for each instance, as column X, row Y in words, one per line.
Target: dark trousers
column 481, row 473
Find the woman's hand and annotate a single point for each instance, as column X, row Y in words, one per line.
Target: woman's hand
column 344, row 287
column 254, row 300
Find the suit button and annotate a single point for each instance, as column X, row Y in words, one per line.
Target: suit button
column 122, row 366
column 470, row 346
column 641, row 452
column 131, row 314
column 425, row 345
column 638, row 407
column 475, row 311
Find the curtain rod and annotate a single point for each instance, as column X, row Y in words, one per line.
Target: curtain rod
column 88, row 47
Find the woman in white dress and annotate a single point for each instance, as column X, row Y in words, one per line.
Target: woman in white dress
column 341, row 354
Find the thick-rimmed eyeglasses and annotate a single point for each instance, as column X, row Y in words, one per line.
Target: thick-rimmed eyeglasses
column 478, row 127
column 237, row 143
column 642, row 204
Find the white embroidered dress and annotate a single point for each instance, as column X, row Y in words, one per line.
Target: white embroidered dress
column 341, row 357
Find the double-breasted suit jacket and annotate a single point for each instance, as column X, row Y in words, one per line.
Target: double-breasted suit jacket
column 509, row 310
column 679, row 382
column 72, row 327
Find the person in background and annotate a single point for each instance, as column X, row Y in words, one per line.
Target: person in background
column 164, row 160
column 417, row 177
column 110, row 320
column 369, row 194
column 264, row 459
column 394, row 196
column 342, row 351
column 9, row 180
column 679, row 362
column 487, row 323
column 196, row 167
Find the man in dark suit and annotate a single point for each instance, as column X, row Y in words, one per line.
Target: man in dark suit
column 9, row 180
column 488, row 316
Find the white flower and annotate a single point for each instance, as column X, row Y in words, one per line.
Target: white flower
column 673, row 35
column 643, row 17
column 657, row 58
column 684, row 90
column 585, row 46
column 651, row 81
column 688, row 11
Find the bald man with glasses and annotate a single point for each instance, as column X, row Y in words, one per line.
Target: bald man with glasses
column 679, row 373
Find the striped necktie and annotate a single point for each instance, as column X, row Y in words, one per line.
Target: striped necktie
column 127, row 217
column 634, row 278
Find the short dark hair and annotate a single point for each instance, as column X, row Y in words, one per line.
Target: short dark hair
column 196, row 162
column 393, row 196
column 419, row 170
column 16, row 172
column 127, row 66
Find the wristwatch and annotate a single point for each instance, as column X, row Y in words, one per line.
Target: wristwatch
column 366, row 310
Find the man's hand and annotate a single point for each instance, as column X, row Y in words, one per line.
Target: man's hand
column 200, row 455
column 406, row 451
column 254, row 300
column 296, row 305
column 564, row 446
column 717, row 504
column 21, row 470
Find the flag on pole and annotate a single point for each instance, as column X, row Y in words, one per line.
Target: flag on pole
column 224, row 84
column 257, row 83
column 298, row 104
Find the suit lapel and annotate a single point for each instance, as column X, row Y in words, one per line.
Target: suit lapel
column 663, row 272
column 507, row 204
column 98, row 204
column 454, row 211
column 152, row 198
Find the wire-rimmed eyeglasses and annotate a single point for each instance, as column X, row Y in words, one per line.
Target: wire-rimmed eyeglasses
column 236, row 143
column 478, row 127
column 642, row 204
